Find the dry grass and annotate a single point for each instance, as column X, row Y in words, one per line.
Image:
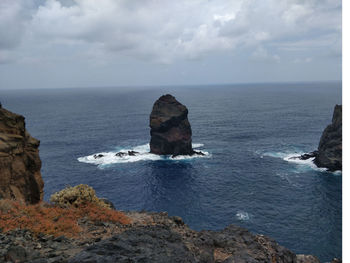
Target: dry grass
column 54, row 220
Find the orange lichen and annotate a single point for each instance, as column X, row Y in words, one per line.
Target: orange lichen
column 54, row 220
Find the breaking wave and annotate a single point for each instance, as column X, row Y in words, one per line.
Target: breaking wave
column 242, row 216
column 143, row 154
column 292, row 158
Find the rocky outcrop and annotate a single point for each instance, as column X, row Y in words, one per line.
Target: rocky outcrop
column 330, row 147
column 171, row 132
column 152, row 237
column 168, row 239
column 20, row 164
column 329, row 153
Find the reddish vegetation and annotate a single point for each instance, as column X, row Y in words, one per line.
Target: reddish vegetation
column 53, row 220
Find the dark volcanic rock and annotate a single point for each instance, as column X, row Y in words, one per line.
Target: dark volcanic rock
column 153, row 237
column 306, row 156
column 171, row 132
column 141, row 244
column 20, row 164
column 169, row 240
column 330, row 146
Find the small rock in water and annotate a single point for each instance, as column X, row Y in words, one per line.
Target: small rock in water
column 120, row 154
column 98, row 156
column 132, row 153
column 308, row 155
column 305, row 156
column 199, row 153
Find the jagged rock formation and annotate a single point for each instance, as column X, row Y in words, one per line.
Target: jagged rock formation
column 168, row 239
column 20, row 164
column 329, row 153
column 145, row 237
column 171, row 132
column 330, row 147
column 152, row 237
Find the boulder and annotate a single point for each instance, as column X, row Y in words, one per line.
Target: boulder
column 330, row 146
column 171, row 132
column 20, row 164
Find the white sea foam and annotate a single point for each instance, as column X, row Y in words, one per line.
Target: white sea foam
column 243, row 216
column 143, row 154
column 197, row 145
column 292, row 158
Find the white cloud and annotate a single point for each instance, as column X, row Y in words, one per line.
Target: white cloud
column 261, row 54
column 165, row 31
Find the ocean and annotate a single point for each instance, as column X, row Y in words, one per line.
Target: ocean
column 247, row 131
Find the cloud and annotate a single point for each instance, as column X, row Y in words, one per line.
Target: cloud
column 165, row 31
column 262, row 55
column 302, row 60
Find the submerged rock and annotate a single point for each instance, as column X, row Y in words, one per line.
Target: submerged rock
column 306, row 156
column 20, row 164
column 98, row 156
column 171, row 132
column 129, row 153
column 132, row 153
column 330, row 146
column 120, row 154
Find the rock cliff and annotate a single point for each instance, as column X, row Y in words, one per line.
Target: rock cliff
column 151, row 237
column 171, row 132
column 20, row 164
column 329, row 153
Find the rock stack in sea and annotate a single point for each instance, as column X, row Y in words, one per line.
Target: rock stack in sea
column 20, row 164
column 329, row 153
column 171, row 132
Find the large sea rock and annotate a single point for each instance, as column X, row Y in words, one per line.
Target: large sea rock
column 171, row 132
column 330, row 147
column 20, row 164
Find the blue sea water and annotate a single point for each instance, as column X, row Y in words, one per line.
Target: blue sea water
column 248, row 131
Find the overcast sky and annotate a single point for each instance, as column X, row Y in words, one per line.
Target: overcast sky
column 93, row 43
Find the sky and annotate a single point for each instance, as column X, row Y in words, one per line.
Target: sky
column 95, row 43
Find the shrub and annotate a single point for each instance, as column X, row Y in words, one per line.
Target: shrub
column 76, row 196
column 55, row 220
column 5, row 205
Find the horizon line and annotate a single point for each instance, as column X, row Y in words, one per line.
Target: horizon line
column 177, row 85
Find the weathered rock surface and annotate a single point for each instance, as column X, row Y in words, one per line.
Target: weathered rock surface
column 168, row 239
column 152, row 237
column 20, row 164
column 329, row 153
column 171, row 132
column 330, row 146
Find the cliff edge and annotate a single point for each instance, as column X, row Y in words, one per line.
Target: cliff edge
column 330, row 147
column 20, row 164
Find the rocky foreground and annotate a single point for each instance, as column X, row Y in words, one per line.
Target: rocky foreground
column 151, row 237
